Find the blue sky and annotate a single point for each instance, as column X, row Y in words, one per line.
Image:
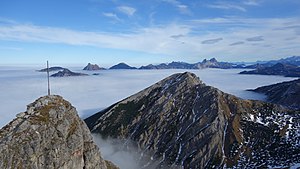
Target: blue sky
column 147, row 31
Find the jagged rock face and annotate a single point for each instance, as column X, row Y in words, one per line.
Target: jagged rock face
column 48, row 135
column 67, row 72
column 183, row 122
column 285, row 93
column 92, row 67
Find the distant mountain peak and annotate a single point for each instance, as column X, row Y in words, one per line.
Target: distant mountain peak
column 213, row 60
column 92, row 67
column 122, row 65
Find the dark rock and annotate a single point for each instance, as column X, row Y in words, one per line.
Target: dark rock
column 285, row 93
column 287, row 70
column 93, row 67
column 67, row 72
column 51, row 69
column 51, row 135
column 122, row 66
column 184, row 123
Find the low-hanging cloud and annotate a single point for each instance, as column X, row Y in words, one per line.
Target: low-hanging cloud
column 123, row 153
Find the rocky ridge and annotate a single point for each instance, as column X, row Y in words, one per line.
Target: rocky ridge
column 67, row 72
column 182, row 122
column 285, row 93
column 51, row 135
column 51, row 69
column 282, row 69
column 294, row 60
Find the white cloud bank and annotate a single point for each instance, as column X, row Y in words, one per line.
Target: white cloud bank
column 90, row 94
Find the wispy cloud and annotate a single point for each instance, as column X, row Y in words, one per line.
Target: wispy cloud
column 112, row 16
column 211, row 41
column 227, row 5
column 177, row 36
column 7, row 21
column 10, row 48
column 127, row 10
column 184, row 9
column 168, row 39
column 237, row 43
column 252, row 2
column 255, row 39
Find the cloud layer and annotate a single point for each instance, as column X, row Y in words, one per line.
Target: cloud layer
column 20, row 86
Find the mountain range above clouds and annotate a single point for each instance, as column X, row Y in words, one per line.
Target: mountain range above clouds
column 212, row 63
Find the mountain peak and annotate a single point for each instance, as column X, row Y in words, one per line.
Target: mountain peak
column 122, row 65
column 213, row 60
column 49, row 134
column 90, row 66
column 186, row 77
column 185, row 123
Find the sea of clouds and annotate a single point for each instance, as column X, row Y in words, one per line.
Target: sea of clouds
column 89, row 94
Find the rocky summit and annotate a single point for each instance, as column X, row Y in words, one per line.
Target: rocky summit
column 181, row 122
column 49, row 135
column 92, row 67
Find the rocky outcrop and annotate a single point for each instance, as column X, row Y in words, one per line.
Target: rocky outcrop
column 93, row 67
column 122, row 66
column 182, row 122
column 285, row 93
column 51, row 69
column 67, row 72
column 48, row 135
column 282, row 69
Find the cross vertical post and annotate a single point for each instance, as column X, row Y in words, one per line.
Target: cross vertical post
column 48, row 78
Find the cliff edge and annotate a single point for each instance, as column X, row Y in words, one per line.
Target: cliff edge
column 49, row 134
